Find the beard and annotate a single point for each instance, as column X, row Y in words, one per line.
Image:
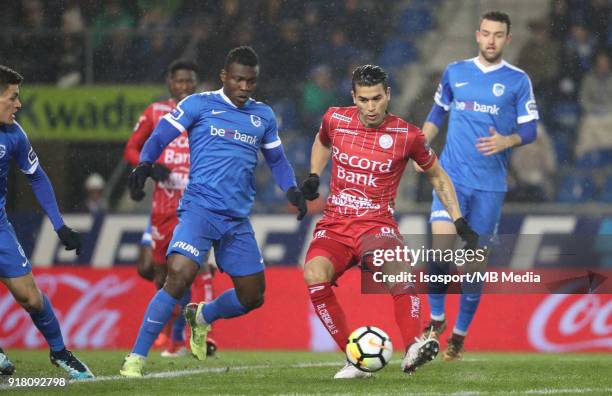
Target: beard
column 491, row 58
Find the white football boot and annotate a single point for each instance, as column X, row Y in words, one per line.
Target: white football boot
column 425, row 349
column 350, row 371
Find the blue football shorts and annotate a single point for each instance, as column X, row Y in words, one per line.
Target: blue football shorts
column 236, row 250
column 13, row 261
column 481, row 209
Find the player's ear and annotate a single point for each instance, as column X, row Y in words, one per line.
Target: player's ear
column 222, row 75
column 353, row 96
column 388, row 92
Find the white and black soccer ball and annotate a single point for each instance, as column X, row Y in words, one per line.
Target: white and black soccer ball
column 369, row 348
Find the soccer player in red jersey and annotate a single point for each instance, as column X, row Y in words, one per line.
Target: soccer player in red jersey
column 171, row 174
column 370, row 148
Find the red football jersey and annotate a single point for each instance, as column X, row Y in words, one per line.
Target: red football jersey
column 368, row 163
column 175, row 157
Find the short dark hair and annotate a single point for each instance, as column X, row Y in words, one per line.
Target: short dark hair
column 497, row 16
column 244, row 55
column 8, row 76
column 370, row 75
column 183, row 64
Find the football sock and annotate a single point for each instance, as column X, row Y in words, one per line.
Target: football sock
column 329, row 311
column 178, row 327
column 157, row 314
column 225, row 306
column 47, row 323
column 208, row 287
column 467, row 308
column 407, row 307
column 437, row 290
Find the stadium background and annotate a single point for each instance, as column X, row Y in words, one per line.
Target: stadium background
column 92, row 66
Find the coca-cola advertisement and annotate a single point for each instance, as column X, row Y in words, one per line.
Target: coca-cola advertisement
column 103, row 308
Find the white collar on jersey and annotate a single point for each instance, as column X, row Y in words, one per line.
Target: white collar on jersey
column 225, row 98
column 488, row 69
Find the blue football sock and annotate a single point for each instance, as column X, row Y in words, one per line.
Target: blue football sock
column 158, row 313
column 467, row 308
column 225, row 306
column 178, row 327
column 46, row 321
column 437, row 290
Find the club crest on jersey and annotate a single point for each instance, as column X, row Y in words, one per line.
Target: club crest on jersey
column 2, row 150
column 385, row 141
column 255, row 120
column 498, row 89
column 176, row 113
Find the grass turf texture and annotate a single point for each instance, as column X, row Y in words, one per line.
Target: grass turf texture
column 260, row 373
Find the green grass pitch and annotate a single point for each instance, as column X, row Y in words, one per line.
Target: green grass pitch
column 303, row 373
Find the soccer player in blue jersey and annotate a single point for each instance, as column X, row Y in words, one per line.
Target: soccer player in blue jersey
column 226, row 130
column 15, row 268
column 492, row 109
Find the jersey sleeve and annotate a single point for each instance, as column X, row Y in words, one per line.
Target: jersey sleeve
column 141, row 133
column 186, row 113
column 270, row 138
column 420, row 151
column 526, row 108
column 324, row 129
column 24, row 153
column 444, row 94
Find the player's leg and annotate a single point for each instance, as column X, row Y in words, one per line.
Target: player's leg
column 326, row 261
column 238, row 255
column 443, row 237
column 16, row 275
column 144, row 264
column 6, row 366
column 484, row 218
column 38, row 305
column 191, row 240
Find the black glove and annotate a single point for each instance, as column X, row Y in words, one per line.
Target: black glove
column 295, row 196
column 159, row 172
column 310, row 185
column 137, row 180
column 70, row 238
column 465, row 232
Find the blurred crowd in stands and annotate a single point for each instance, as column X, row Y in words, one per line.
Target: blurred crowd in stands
column 307, row 50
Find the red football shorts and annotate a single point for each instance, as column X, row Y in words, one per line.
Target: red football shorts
column 348, row 243
column 162, row 227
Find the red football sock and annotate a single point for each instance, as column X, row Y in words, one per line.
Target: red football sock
column 207, row 281
column 407, row 306
column 329, row 311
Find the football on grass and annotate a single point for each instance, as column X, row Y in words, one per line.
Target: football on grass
column 369, row 348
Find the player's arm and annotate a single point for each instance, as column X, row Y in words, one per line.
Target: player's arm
column 434, row 121
column 43, row 191
column 282, row 171
column 526, row 132
column 319, row 158
column 141, row 133
column 170, row 126
column 426, row 159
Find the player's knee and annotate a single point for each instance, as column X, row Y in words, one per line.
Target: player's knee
column 314, row 274
column 252, row 300
column 31, row 302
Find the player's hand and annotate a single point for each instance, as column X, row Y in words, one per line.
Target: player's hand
column 159, row 172
column 310, row 187
column 493, row 144
column 137, row 180
column 465, row 232
column 417, row 167
column 70, row 238
column 296, row 197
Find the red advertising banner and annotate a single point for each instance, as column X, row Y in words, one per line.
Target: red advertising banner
column 103, row 308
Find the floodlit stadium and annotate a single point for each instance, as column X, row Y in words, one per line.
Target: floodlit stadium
column 437, row 170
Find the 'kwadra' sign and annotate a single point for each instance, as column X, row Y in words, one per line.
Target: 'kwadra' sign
column 84, row 113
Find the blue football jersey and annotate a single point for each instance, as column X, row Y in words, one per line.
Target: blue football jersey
column 14, row 144
column 480, row 97
column 223, row 142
